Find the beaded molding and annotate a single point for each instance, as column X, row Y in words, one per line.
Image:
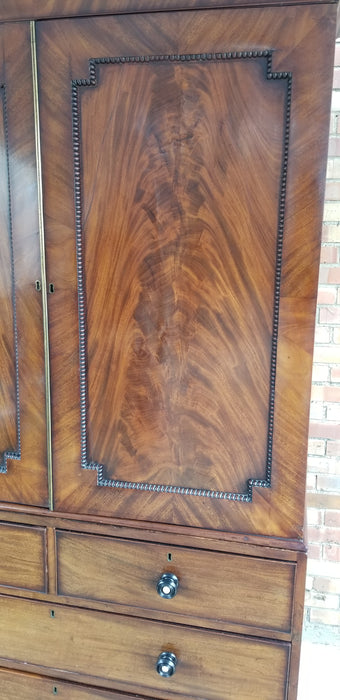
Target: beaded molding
column 92, row 81
column 11, row 454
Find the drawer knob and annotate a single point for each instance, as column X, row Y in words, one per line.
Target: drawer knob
column 166, row 664
column 167, row 586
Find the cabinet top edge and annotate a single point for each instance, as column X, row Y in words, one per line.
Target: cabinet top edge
column 15, row 10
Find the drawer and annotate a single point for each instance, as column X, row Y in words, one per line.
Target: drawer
column 211, row 585
column 121, row 652
column 15, row 685
column 23, row 557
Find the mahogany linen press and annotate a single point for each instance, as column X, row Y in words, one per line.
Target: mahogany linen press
column 161, row 193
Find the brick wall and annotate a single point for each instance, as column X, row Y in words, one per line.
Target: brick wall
column 322, row 604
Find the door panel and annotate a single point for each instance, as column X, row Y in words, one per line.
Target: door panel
column 22, row 399
column 181, row 328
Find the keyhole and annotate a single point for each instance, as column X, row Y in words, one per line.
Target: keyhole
column 169, row 556
column 51, row 288
column 55, row 690
column 38, row 285
column 52, row 613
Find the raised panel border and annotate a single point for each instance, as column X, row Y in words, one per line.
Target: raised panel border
column 92, row 81
column 11, row 454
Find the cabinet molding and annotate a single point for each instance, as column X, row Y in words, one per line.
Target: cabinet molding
column 28, row 9
column 9, row 358
column 23, row 476
column 92, row 82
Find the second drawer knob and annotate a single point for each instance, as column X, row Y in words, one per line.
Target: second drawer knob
column 167, row 585
column 166, row 664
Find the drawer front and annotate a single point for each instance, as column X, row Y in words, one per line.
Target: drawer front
column 121, row 652
column 23, row 557
column 211, row 585
column 15, row 685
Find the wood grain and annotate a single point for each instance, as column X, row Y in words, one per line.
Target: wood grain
column 15, row 685
column 188, row 334
column 179, row 320
column 30, row 9
column 121, row 652
column 212, row 586
column 298, row 615
column 23, row 434
column 9, row 418
column 269, row 547
column 23, row 557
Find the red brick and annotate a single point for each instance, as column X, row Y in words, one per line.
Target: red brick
column 334, row 275
column 333, row 412
column 329, row 253
column 327, row 295
column 332, row 191
column 321, row 465
column 317, row 447
column 309, row 582
column 317, row 392
column 333, row 123
column 330, row 315
column 332, row 518
column 333, row 448
column 322, row 334
column 331, row 233
column 314, row 551
column 334, row 146
column 330, row 168
column 326, row 393
column 328, row 482
column 336, row 335
column 317, row 411
column 329, row 535
column 331, row 552
column 324, row 430
column 311, row 482
column 314, row 517
column 335, row 374
column 326, row 354
column 333, row 164
column 321, row 373
column 325, row 617
column 329, row 275
column 336, row 79
column 326, row 585
column 337, row 55
column 324, row 600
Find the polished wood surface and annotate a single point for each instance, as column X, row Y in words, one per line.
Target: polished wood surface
column 270, row 548
column 178, row 345
column 22, row 399
column 183, row 199
column 15, row 685
column 121, row 652
column 212, row 586
column 30, row 9
column 298, row 616
column 23, row 557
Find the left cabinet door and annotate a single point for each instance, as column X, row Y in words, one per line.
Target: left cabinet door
column 23, row 470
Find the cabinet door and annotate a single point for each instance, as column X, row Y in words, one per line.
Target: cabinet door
column 23, row 473
column 182, row 156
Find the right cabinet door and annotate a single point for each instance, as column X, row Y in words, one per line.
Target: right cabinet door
column 182, row 155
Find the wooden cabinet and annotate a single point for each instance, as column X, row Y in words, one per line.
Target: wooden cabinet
column 161, row 199
column 23, row 473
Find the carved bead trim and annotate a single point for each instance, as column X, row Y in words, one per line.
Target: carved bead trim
column 8, row 454
column 92, row 81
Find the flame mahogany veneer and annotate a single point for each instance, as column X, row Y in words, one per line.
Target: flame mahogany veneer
column 182, row 156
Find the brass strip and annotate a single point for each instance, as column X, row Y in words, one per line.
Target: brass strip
column 43, row 263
